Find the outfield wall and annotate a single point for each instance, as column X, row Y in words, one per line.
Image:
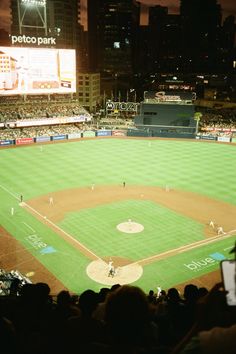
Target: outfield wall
column 109, row 133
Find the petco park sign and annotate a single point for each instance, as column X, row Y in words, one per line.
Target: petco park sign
column 33, row 40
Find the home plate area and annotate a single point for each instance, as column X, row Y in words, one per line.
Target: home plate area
column 125, row 271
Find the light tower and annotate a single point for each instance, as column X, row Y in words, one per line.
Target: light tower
column 36, row 10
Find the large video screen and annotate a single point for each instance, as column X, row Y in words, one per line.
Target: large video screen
column 37, row 71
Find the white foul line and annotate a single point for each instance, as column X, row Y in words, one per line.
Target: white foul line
column 8, row 191
column 64, row 232
column 50, row 222
column 184, row 248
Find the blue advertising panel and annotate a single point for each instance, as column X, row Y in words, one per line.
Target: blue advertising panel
column 59, row 137
column 6, row 142
column 104, row 132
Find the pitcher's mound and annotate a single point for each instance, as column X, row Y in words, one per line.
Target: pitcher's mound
column 130, row 227
column 124, row 274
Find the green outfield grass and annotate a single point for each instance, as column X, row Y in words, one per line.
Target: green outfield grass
column 204, row 168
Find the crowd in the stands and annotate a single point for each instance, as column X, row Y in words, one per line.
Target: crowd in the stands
column 117, row 319
column 34, row 132
column 219, row 122
column 42, row 109
column 214, row 121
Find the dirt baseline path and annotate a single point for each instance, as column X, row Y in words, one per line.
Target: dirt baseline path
column 195, row 206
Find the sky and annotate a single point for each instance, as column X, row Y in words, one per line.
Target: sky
column 228, row 7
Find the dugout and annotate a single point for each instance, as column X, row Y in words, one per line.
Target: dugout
column 171, row 116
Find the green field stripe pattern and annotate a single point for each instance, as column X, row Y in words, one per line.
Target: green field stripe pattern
column 197, row 167
column 204, row 168
column 163, row 229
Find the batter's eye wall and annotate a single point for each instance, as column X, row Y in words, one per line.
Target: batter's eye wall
column 167, row 115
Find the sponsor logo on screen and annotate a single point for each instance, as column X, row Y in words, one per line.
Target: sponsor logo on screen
column 211, row 260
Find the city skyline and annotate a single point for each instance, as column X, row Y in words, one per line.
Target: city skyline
column 228, row 8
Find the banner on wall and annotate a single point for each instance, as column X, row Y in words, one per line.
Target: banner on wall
column 88, row 133
column 225, row 139
column 119, row 132
column 42, row 139
column 24, row 141
column 103, row 132
column 74, row 136
column 6, row 142
column 208, row 137
column 59, row 137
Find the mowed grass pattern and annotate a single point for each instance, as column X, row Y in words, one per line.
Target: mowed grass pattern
column 201, row 167
column 163, row 229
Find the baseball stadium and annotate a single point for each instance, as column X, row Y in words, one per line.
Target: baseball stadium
column 138, row 192
column 117, row 178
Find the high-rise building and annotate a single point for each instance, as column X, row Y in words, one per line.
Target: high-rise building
column 164, row 39
column 111, row 27
column 201, row 23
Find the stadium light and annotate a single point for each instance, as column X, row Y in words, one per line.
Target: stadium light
column 37, row 6
column 34, row 2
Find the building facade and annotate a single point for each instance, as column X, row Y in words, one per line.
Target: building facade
column 89, row 90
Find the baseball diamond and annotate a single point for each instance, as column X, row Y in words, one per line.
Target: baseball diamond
column 154, row 235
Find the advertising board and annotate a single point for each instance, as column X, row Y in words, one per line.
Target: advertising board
column 42, row 139
column 24, row 141
column 37, row 71
column 225, row 139
column 104, row 133
column 59, row 137
column 6, row 142
column 88, row 133
column 74, row 136
column 119, row 132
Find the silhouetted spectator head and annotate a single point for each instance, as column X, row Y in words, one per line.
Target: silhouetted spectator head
column 63, row 298
column 88, row 302
column 127, row 313
column 115, row 286
column 173, row 295
column 42, row 292
column 191, row 293
column 103, row 294
column 27, row 293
